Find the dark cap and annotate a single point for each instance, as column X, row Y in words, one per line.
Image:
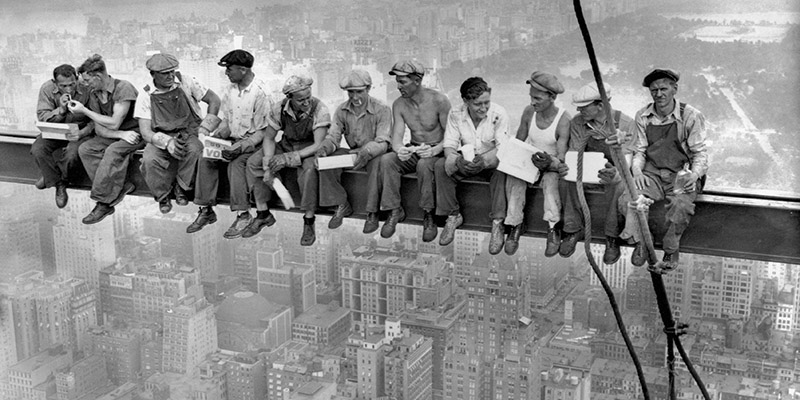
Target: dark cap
column 357, row 79
column 407, row 67
column 162, row 62
column 237, row 57
column 545, row 82
column 659, row 73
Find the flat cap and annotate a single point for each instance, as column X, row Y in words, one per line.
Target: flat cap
column 237, row 57
column 588, row 94
column 407, row 67
column 162, row 62
column 296, row 83
column 659, row 73
column 546, row 82
column 356, row 79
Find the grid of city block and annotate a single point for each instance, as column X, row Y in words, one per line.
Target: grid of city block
column 135, row 308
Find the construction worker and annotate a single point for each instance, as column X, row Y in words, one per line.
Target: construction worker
column 245, row 116
column 546, row 127
column 169, row 120
column 52, row 107
column 669, row 160
column 424, row 111
column 106, row 155
column 304, row 120
column 366, row 123
column 482, row 124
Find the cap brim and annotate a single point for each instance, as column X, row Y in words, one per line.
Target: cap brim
column 399, row 73
column 582, row 103
column 354, row 87
column 538, row 86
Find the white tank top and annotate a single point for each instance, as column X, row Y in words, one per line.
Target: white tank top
column 544, row 139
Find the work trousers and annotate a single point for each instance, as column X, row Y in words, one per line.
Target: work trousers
column 307, row 179
column 207, row 184
column 106, row 162
column 55, row 168
column 573, row 213
column 679, row 210
column 447, row 200
column 332, row 193
column 161, row 170
column 392, row 170
column 515, row 193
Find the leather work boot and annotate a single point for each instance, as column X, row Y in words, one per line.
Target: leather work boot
column 429, row 229
column 241, row 222
column 449, row 231
column 100, row 211
column 165, row 206
column 206, row 216
column 371, row 224
column 568, row 244
column 639, row 255
column 512, row 241
column 612, row 253
column 309, row 237
column 127, row 189
column 258, row 223
column 61, row 195
column 671, row 260
column 497, row 238
column 342, row 211
column 397, row 215
column 553, row 242
column 180, row 196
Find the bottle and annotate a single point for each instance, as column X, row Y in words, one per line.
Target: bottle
column 680, row 180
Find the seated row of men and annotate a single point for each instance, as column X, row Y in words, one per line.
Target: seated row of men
column 114, row 120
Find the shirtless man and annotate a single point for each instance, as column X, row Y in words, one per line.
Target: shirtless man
column 425, row 112
column 545, row 127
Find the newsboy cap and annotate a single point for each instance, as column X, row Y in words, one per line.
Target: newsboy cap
column 296, row 83
column 659, row 73
column 356, row 79
column 161, row 62
column 407, row 67
column 237, row 57
column 546, row 82
column 588, row 94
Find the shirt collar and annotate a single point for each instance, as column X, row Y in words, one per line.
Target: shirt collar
column 676, row 111
column 348, row 106
column 153, row 89
column 287, row 108
column 110, row 84
column 464, row 111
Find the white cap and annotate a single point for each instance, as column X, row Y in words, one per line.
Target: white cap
column 588, row 94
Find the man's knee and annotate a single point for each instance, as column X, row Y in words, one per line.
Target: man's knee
column 39, row 149
column 254, row 164
column 390, row 162
column 426, row 166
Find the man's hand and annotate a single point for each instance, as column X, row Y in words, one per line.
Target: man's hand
column 176, row 149
column 427, row 151
column 232, row 153
column 607, row 174
column 63, row 101
column 129, row 136
column 541, row 160
column 451, row 164
column 268, row 177
column 476, row 166
column 76, row 107
column 691, row 182
column 404, row 153
column 639, row 180
column 562, row 169
column 618, row 139
column 362, row 158
column 74, row 134
column 321, row 152
column 277, row 162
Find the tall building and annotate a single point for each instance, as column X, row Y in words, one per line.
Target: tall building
column 245, row 252
column 408, row 368
column 19, row 237
column 83, row 379
column 198, row 250
column 616, row 274
column 30, row 378
column 382, row 282
column 190, row 334
column 121, row 350
column 463, row 376
column 556, row 384
column 327, row 325
column 247, row 322
column 246, row 378
column 639, row 293
column 286, row 282
column 466, row 245
column 370, row 367
column 722, row 287
column 8, row 339
column 138, row 292
column 440, row 327
column 82, row 250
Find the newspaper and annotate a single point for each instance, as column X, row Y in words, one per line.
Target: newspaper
column 212, row 147
column 515, row 160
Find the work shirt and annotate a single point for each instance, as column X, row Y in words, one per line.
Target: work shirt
column 691, row 134
column 115, row 91
column 247, row 112
column 585, row 135
column 370, row 130
column 321, row 118
column 490, row 133
column 191, row 86
column 48, row 104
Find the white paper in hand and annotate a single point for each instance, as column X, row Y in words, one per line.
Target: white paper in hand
column 593, row 162
column 515, row 160
column 283, row 194
column 55, row 130
column 212, row 147
column 468, row 152
column 333, row 162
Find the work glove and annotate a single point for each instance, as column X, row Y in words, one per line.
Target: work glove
column 541, row 160
column 231, row 154
column 176, row 149
column 476, row 166
column 607, row 174
column 283, row 160
column 362, row 158
column 461, row 164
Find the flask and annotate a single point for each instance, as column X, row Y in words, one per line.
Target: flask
column 680, row 180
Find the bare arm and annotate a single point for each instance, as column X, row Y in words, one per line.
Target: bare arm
column 444, row 111
column 522, row 131
column 213, row 102
column 399, row 127
column 562, row 136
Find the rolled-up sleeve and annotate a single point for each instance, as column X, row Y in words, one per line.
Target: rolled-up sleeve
column 383, row 132
column 639, row 144
column 452, row 132
column 46, row 109
column 322, row 118
column 695, row 128
column 338, row 126
column 275, row 116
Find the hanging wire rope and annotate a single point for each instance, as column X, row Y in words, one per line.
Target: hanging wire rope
column 672, row 328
